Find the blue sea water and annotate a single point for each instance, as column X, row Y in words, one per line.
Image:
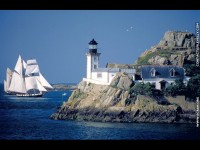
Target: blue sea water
column 28, row 119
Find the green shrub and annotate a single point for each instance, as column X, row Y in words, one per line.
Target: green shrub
column 78, row 94
column 142, row 89
column 191, row 70
column 193, row 87
column 178, row 88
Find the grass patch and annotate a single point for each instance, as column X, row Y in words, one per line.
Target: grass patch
column 74, row 103
column 162, row 53
column 77, row 94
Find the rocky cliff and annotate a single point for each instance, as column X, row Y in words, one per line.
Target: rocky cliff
column 176, row 48
column 114, row 103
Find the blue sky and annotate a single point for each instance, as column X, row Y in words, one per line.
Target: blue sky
column 58, row 39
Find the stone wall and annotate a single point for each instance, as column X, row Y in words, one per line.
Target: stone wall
column 180, row 100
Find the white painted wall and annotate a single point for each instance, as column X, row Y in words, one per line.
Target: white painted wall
column 111, row 76
column 95, row 81
column 95, row 61
column 89, row 66
column 103, row 78
column 157, row 82
column 106, row 77
column 92, row 60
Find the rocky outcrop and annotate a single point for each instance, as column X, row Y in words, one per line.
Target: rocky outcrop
column 159, row 60
column 176, row 48
column 122, row 81
column 178, row 39
column 113, row 103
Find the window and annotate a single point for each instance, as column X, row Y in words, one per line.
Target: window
column 99, row 75
column 172, row 72
column 95, row 59
column 92, row 47
column 153, row 72
column 95, row 66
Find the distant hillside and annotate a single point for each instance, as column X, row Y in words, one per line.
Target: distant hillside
column 63, row 86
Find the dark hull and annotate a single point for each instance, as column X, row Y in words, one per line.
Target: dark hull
column 29, row 95
column 25, row 95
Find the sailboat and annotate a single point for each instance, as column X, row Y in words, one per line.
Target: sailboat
column 26, row 80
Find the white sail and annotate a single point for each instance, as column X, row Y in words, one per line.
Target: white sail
column 40, row 87
column 5, row 86
column 32, row 67
column 24, row 64
column 17, row 84
column 44, row 82
column 8, row 77
column 31, row 62
column 32, row 83
column 18, row 66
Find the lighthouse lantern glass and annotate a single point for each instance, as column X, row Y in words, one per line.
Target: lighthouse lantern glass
column 92, row 46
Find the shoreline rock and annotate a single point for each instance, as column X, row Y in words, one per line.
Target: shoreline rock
column 113, row 103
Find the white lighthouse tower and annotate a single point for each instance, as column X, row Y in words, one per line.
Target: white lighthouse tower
column 92, row 58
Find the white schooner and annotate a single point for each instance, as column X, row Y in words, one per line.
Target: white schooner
column 26, row 80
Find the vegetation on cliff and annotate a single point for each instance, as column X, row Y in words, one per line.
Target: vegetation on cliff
column 193, row 88
column 164, row 53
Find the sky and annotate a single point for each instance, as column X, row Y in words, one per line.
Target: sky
column 58, row 39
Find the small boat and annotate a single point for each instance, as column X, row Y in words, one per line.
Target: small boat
column 26, row 80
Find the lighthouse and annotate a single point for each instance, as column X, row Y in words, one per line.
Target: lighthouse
column 92, row 58
column 99, row 75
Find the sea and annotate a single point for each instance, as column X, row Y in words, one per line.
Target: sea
column 28, row 119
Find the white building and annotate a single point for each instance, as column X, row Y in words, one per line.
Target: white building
column 162, row 76
column 98, row 75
